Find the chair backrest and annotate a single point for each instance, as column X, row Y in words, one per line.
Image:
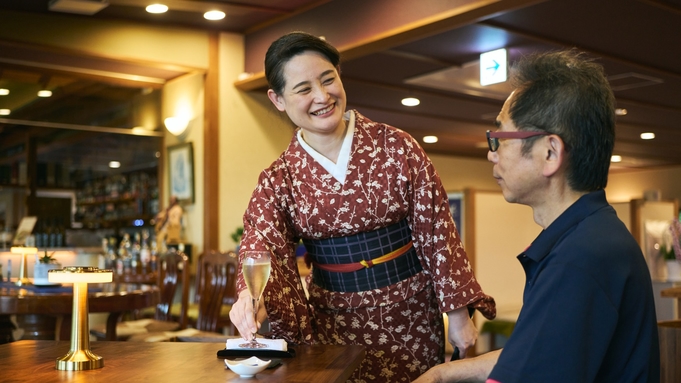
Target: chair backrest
column 173, row 269
column 216, row 284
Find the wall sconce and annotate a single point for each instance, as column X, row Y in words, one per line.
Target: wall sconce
column 80, row 357
column 176, row 125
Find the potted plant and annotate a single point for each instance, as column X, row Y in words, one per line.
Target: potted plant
column 673, row 264
column 45, row 263
column 236, row 236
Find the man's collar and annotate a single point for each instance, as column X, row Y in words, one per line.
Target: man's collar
column 582, row 208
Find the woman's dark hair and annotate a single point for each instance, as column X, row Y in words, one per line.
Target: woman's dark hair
column 566, row 94
column 288, row 46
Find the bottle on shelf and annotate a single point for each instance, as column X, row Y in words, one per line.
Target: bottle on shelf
column 45, row 234
column 135, row 259
column 145, row 251
column 53, row 233
column 124, row 255
column 39, row 234
column 153, row 260
column 60, row 233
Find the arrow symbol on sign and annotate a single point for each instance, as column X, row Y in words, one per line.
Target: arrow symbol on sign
column 495, row 67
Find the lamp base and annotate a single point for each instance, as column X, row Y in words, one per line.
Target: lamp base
column 23, row 282
column 80, row 360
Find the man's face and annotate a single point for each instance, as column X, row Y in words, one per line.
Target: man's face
column 519, row 176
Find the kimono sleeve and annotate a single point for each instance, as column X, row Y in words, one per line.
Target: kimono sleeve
column 266, row 226
column 437, row 240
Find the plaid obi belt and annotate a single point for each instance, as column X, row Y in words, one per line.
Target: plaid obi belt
column 363, row 261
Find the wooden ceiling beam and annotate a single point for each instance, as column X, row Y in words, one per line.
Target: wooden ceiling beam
column 395, row 24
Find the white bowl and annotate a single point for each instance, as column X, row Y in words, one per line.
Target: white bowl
column 247, row 368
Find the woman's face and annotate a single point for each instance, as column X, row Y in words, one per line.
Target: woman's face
column 313, row 95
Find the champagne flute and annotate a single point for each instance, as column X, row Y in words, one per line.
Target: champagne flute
column 256, row 272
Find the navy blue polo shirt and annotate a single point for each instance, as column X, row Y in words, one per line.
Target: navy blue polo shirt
column 588, row 309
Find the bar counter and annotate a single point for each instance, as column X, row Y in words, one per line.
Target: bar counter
column 34, row 361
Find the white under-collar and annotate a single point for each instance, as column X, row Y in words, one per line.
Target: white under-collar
column 340, row 168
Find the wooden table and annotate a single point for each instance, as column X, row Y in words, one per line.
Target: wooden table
column 674, row 292
column 34, row 361
column 45, row 313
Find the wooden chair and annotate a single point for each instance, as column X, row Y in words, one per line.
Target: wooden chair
column 210, row 258
column 173, row 269
column 215, row 293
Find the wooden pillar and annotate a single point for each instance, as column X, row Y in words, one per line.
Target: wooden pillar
column 211, row 138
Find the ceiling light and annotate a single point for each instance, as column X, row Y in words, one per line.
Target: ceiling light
column 4, row 112
column 616, row 158
column 430, row 139
column 157, row 8
column 621, row 112
column 647, row 136
column 214, row 15
column 410, row 101
column 114, row 164
column 4, row 92
column 44, row 93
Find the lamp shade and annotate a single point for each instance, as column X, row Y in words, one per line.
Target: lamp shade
column 76, row 274
column 176, row 125
column 23, row 250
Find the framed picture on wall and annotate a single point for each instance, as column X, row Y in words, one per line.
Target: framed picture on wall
column 181, row 172
column 456, row 208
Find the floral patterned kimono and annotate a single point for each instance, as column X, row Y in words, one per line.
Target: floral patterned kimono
column 389, row 178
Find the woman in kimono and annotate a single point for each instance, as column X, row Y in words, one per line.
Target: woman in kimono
column 386, row 258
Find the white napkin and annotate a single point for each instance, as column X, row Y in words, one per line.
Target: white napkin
column 272, row 344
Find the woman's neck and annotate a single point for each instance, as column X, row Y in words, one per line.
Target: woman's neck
column 328, row 145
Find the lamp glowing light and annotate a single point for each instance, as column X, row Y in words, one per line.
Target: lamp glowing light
column 79, row 356
column 410, row 101
column 157, row 8
column 23, row 268
column 45, row 93
column 214, row 15
column 176, row 125
column 647, row 136
column 4, row 112
column 4, row 92
column 430, row 139
column 616, row 158
column 114, row 164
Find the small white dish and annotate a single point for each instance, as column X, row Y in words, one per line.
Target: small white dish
column 247, row 368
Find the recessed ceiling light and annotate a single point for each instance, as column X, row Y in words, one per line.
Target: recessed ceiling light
column 214, row 15
column 616, row 158
column 4, row 112
column 4, row 92
column 430, row 139
column 44, row 93
column 410, row 101
column 114, row 164
column 157, row 8
column 647, row 136
column 621, row 112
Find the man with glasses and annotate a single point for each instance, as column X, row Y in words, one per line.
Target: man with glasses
column 588, row 310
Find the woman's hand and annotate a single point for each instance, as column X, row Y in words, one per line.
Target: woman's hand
column 462, row 331
column 241, row 315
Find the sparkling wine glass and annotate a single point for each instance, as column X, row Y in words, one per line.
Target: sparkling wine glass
column 256, row 272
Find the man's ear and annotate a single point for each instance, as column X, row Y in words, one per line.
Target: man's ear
column 555, row 155
column 277, row 100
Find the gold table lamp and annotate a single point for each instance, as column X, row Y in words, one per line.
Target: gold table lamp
column 23, row 278
column 80, row 357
